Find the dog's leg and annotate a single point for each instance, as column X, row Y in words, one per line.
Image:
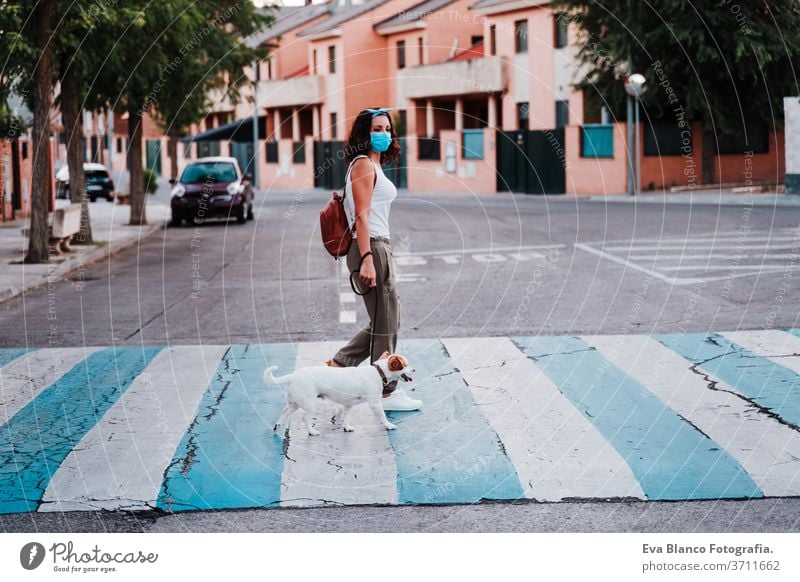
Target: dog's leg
column 309, row 414
column 338, row 416
column 346, row 419
column 378, row 408
column 288, row 410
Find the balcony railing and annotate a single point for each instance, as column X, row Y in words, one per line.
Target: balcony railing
column 464, row 77
column 292, row 92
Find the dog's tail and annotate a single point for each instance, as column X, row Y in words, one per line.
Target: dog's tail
column 270, row 379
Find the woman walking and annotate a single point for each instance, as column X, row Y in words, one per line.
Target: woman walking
column 368, row 198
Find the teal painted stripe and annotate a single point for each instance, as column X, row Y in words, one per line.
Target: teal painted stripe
column 766, row 383
column 229, row 457
column 36, row 440
column 447, row 452
column 670, row 457
column 8, row 355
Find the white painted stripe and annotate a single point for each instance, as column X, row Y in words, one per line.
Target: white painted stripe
column 723, row 237
column 768, row 450
column 337, row 467
column 121, row 461
column 344, row 269
column 713, row 256
column 347, row 297
column 764, row 267
column 775, row 345
column 692, row 246
column 346, row 316
column 24, row 378
column 556, row 451
column 627, row 263
column 496, row 249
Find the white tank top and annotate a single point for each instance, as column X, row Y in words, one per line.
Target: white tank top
column 382, row 196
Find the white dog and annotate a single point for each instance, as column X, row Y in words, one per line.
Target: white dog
column 345, row 386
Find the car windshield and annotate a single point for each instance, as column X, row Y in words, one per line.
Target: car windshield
column 209, row 172
column 96, row 176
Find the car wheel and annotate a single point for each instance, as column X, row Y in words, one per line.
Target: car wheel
column 109, row 198
column 250, row 212
column 241, row 214
column 177, row 220
column 93, row 198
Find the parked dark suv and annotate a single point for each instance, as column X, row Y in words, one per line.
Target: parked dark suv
column 98, row 182
column 213, row 187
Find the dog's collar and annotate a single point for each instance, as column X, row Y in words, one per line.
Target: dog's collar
column 384, row 379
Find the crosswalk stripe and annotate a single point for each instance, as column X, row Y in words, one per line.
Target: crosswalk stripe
column 670, row 458
column 775, row 345
column 121, row 461
column 726, row 238
column 763, row 382
column 447, row 452
column 229, row 457
column 35, row 441
column 24, row 378
column 715, row 256
column 336, row 467
column 768, row 450
column 8, row 355
column 556, row 451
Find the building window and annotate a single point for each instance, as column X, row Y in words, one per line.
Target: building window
column 402, row 118
column 428, row 148
column 299, row 153
column 401, row 54
column 272, row 152
column 597, row 141
column 119, row 145
column 25, row 150
column 421, row 51
column 472, row 144
column 332, row 59
column 269, row 68
column 257, row 71
column 493, row 39
column 562, row 114
column 562, row 26
column 521, row 36
column 333, row 126
column 523, row 114
column 314, row 62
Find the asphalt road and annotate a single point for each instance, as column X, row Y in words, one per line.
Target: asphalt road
column 468, row 266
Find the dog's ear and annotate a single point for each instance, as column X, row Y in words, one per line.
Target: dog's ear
column 395, row 364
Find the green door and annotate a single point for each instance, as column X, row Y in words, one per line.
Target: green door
column 531, row 162
column 154, row 156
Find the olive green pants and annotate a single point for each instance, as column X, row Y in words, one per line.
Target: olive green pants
column 385, row 316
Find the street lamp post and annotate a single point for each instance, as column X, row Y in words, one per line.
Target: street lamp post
column 635, row 88
column 254, row 158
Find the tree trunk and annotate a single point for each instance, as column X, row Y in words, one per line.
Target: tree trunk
column 709, row 154
column 172, row 151
column 138, row 216
column 42, row 100
column 73, row 127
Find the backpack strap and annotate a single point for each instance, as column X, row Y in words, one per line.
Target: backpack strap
column 347, row 177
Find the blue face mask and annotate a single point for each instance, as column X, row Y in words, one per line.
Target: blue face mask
column 380, row 140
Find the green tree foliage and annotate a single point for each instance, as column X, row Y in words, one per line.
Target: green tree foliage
column 727, row 63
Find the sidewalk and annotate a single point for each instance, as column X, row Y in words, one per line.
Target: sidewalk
column 720, row 198
column 110, row 231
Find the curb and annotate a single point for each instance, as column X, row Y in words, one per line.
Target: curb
column 91, row 257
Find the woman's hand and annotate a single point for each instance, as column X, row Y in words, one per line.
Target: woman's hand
column 367, row 273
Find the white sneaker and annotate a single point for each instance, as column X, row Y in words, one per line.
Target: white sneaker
column 399, row 400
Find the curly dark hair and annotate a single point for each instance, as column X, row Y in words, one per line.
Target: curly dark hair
column 358, row 142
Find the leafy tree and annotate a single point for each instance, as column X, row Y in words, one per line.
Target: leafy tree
column 165, row 60
column 726, row 63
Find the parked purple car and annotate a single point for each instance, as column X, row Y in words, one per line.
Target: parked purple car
column 213, row 187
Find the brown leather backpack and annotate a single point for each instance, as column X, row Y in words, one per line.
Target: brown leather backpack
column 337, row 236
